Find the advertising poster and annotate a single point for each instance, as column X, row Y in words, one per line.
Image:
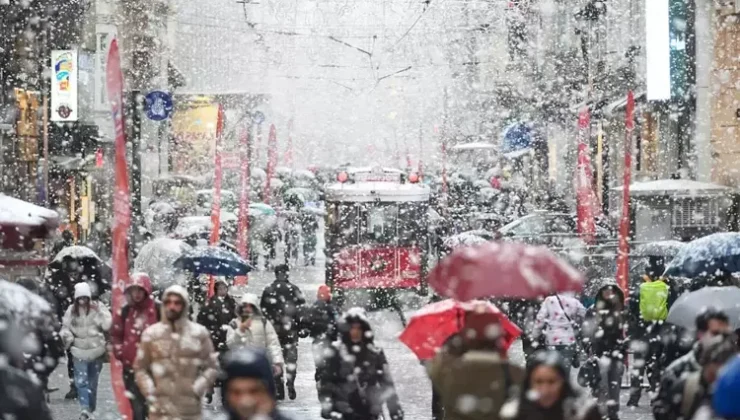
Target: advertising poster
column 64, row 73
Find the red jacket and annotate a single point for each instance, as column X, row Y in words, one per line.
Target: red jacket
column 126, row 332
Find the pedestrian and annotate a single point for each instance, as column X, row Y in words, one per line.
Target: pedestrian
column 139, row 312
column 47, row 347
column 694, row 390
column 215, row 316
column 282, row 303
column 251, row 329
column 726, row 396
column 472, row 375
column 605, row 328
column 648, row 309
column 319, row 321
column 547, row 392
column 61, row 284
column 309, row 227
column 176, row 363
column 249, row 387
column 709, row 323
column 356, row 381
column 559, row 321
column 84, row 329
column 20, row 396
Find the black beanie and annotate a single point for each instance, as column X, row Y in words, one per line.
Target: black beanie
column 247, row 362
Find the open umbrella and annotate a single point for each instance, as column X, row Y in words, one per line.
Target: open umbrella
column 468, row 238
column 156, row 258
column 431, row 326
column 497, row 269
column 714, row 254
column 260, row 210
column 213, row 260
column 667, row 249
column 76, row 252
column 727, row 299
column 23, row 304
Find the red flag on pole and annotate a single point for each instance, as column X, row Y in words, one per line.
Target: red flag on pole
column 585, row 197
column 216, row 205
column 624, row 222
column 242, row 238
column 271, row 161
column 122, row 214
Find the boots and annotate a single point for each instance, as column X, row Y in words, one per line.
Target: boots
column 72, row 394
column 280, row 389
column 291, row 391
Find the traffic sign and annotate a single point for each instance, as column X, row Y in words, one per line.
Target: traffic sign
column 158, row 105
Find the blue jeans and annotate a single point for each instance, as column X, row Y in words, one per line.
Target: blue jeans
column 87, row 373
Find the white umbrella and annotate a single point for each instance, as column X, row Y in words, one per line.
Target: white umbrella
column 76, row 252
column 156, row 258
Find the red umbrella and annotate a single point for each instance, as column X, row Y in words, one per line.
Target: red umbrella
column 431, row 326
column 503, row 269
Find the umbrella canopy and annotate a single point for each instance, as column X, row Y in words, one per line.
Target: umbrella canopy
column 667, row 249
column 497, row 269
column 469, row 238
column 711, row 255
column 21, row 222
column 21, row 303
column 315, row 211
column 304, row 174
column 157, row 258
column 430, row 327
column 727, row 299
column 213, row 260
column 76, row 252
column 517, row 137
column 260, row 210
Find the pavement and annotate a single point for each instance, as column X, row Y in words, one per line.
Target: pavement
column 411, row 381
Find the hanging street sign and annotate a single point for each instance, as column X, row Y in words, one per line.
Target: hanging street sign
column 158, row 105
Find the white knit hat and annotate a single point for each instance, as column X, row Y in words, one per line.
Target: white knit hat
column 82, row 290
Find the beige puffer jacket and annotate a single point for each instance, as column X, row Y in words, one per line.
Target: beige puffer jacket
column 260, row 334
column 83, row 333
column 176, row 364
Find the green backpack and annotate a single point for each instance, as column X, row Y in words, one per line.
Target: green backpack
column 654, row 301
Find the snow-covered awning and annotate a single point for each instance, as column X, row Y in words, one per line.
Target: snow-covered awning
column 675, row 187
column 21, row 213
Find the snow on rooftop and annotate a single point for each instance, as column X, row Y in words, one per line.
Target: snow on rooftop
column 674, row 187
column 18, row 212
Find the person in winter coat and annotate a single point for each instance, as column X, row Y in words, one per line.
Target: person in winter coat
column 726, row 396
column 215, row 316
column 605, row 328
column 319, row 321
column 648, row 308
column 559, row 320
column 710, row 323
column 20, row 396
column 695, row 388
column 249, row 387
column 281, row 303
column 140, row 311
column 176, row 363
column 471, row 374
column 547, row 392
column 356, row 381
column 83, row 331
column 48, row 347
column 250, row 328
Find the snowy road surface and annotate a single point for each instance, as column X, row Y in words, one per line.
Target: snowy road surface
column 411, row 380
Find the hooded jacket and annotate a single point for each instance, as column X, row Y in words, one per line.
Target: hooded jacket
column 83, row 333
column 215, row 316
column 126, row 332
column 605, row 323
column 175, row 365
column 553, row 320
column 357, row 379
column 260, row 333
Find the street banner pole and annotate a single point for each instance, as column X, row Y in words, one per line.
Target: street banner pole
column 271, row 162
column 242, row 239
column 624, row 222
column 216, row 205
column 122, row 215
column 585, row 199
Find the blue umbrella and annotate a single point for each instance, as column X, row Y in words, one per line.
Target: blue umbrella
column 715, row 254
column 213, row 260
column 516, row 137
column 726, row 396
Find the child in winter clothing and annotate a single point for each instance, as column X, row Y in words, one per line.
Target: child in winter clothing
column 83, row 327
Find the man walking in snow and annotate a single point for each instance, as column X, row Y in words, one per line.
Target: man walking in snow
column 176, row 363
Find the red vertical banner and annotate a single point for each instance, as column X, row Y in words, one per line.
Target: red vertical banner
column 122, row 213
column 585, row 196
column 271, row 162
column 289, row 149
column 624, row 221
column 217, row 175
column 242, row 235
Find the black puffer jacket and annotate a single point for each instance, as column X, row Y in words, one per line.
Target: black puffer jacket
column 605, row 323
column 320, row 321
column 357, row 380
column 217, row 313
column 281, row 303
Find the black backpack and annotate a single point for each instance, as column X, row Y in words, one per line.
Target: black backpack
column 157, row 308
